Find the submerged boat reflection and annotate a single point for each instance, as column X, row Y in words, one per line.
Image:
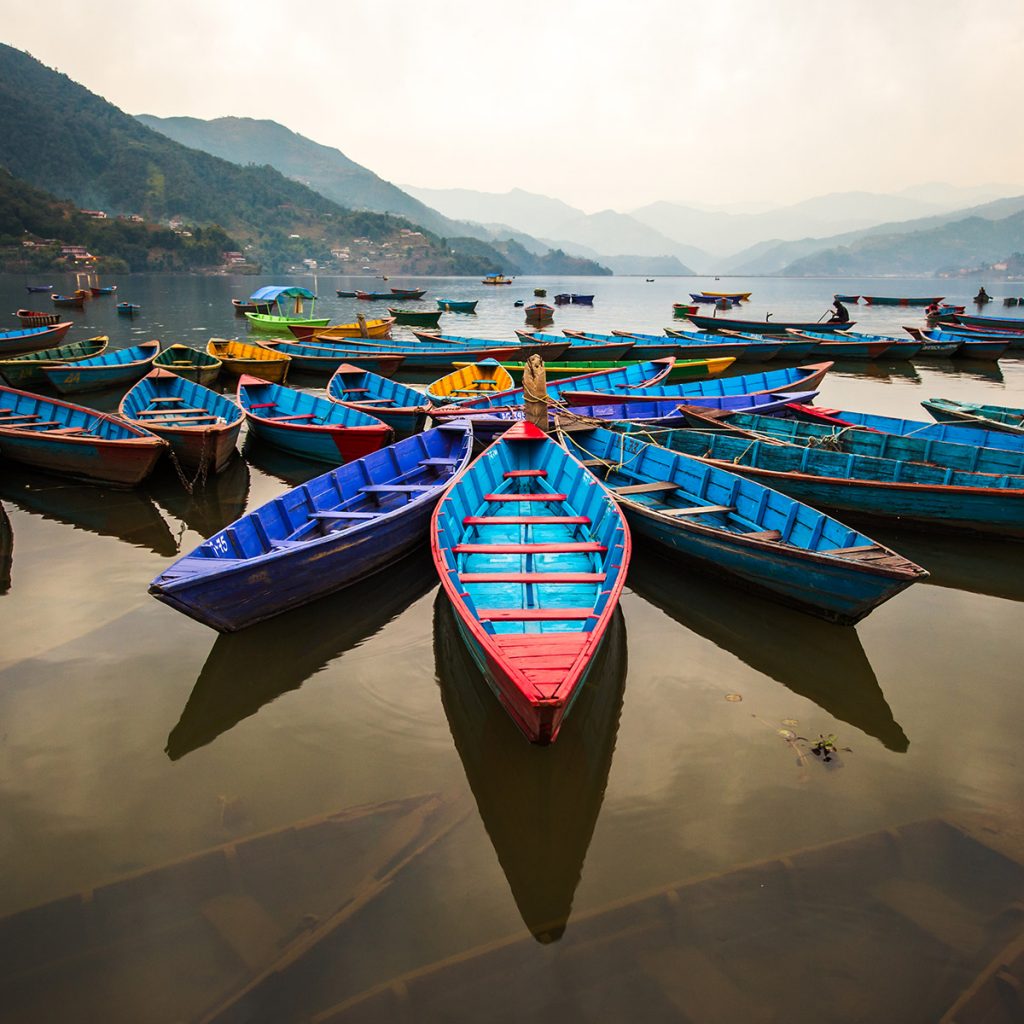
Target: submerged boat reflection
column 538, row 804
column 279, row 464
column 817, row 660
column 6, row 551
column 248, row 669
column 219, row 502
column 128, row 515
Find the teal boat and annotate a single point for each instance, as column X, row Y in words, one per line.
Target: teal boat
column 28, row 369
column 111, row 369
column 987, row 417
column 457, row 305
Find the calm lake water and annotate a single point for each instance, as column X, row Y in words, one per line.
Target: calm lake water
column 478, row 870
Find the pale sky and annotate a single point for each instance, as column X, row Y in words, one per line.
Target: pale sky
column 602, row 103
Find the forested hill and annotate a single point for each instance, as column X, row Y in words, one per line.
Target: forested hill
column 58, row 136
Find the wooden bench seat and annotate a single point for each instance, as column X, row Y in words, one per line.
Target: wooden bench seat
column 439, row 460
column 535, row 614
column 512, row 474
column 294, row 416
column 396, row 488
column 696, row 510
column 533, row 577
column 550, row 548
column 345, row 515
column 170, row 398
column 764, row 535
column 527, row 520
column 649, row 488
column 525, row 497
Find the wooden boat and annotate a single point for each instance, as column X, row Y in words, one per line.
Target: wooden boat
column 583, row 348
column 242, row 307
column 280, row 322
column 750, row 348
column 738, row 528
column 128, row 309
column 190, row 363
column 415, row 317
column 539, row 811
column 1008, row 323
column 307, row 425
column 885, row 300
column 239, row 357
column 729, row 323
column 31, row 339
column 963, row 346
column 361, row 329
column 713, row 300
column 213, row 931
column 797, row 378
column 319, row 537
column 945, row 309
column 673, row 413
column 440, row 355
column 408, row 293
column 645, row 347
column 563, row 299
column 74, row 441
column 345, row 295
column 27, row 369
column 844, row 345
column 76, row 301
column 457, row 305
column 898, row 447
column 846, row 298
column 735, row 296
column 402, row 408
column 33, row 318
column 533, row 626
column 39, row 287
column 581, row 300
column 931, row 346
column 328, row 356
column 200, row 426
column 486, row 377
column 684, row 309
column 375, row 296
column 908, row 493
column 496, row 279
column 98, row 290
column 539, row 311
column 107, row 370
column 540, row 293
column 790, row 348
column 682, row 369
column 953, row 432
column 988, row 417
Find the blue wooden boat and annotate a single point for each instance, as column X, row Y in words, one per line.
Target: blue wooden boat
column 995, row 323
column 673, row 413
column 900, row 447
column 988, row 417
column 200, row 426
column 307, row 425
column 743, row 531
column 402, row 408
column 533, row 554
column 642, row 350
column 111, row 369
column 907, row 493
column 39, row 287
column 581, row 300
column 952, row 432
column 713, row 300
column 128, row 308
column 326, row 357
column 796, row 378
column 965, row 346
column 457, row 305
column 791, row 348
column 74, row 441
column 728, row 323
column 846, row 298
column 344, row 295
column 27, row 368
column 31, row 339
column 753, row 348
column 839, row 345
column 76, row 301
column 107, row 289
column 582, row 348
column 319, row 537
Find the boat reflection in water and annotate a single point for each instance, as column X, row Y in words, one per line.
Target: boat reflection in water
column 209, row 508
column 538, row 804
column 880, row 370
column 980, row 369
column 128, row 515
column 815, row 659
column 248, row 669
column 6, row 551
column 279, row 464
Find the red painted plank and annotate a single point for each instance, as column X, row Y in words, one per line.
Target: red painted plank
column 529, row 549
column 525, row 497
column 509, row 473
column 532, row 577
column 527, row 520
column 535, row 614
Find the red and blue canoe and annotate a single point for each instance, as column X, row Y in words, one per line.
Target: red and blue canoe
column 74, row 441
column 31, row 339
column 200, row 425
column 532, row 553
column 319, row 537
column 111, row 369
column 309, row 426
column 402, row 408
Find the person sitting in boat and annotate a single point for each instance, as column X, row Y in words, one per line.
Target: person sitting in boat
column 931, row 309
column 982, row 296
column 841, row 314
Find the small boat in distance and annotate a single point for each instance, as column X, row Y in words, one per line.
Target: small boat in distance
column 846, row 298
column 242, row 307
column 345, row 295
column 128, row 308
column 408, row 293
column 98, row 290
column 457, row 305
column 539, row 312
column 76, row 301
column 734, row 296
column 415, row 317
column 33, row 318
column 581, row 300
column 496, row 279
column 375, row 296
column 39, row 287
column 887, row 300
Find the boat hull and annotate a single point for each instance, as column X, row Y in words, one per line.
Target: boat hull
column 79, row 377
column 31, row 339
column 180, row 360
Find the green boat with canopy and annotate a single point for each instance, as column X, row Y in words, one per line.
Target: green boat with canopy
column 278, row 322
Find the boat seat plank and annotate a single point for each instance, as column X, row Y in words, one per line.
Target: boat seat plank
column 352, row 391
column 295, row 416
column 511, row 474
column 649, row 488
column 263, row 405
column 527, row 520
column 177, row 411
column 170, row 398
column 592, row 463
column 20, row 416
column 535, row 614
column 533, row 577
column 346, row 515
column 42, row 423
column 764, row 535
column 525, row 497
column 396, row 488
column 69, row 430
column 439, row 460
column 696, row 510
column 550, row 548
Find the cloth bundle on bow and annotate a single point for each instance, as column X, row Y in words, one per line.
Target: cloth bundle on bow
column 535, row 392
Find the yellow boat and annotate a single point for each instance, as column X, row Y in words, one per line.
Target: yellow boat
column 682, row 369
column 486, row 377
column 496, row 279
column 363, row 329
column 239, row 357
column 737, row 296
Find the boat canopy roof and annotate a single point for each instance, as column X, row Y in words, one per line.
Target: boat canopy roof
column 271, row 293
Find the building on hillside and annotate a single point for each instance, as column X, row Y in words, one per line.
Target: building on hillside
column 76, row 253
column 95, row 214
